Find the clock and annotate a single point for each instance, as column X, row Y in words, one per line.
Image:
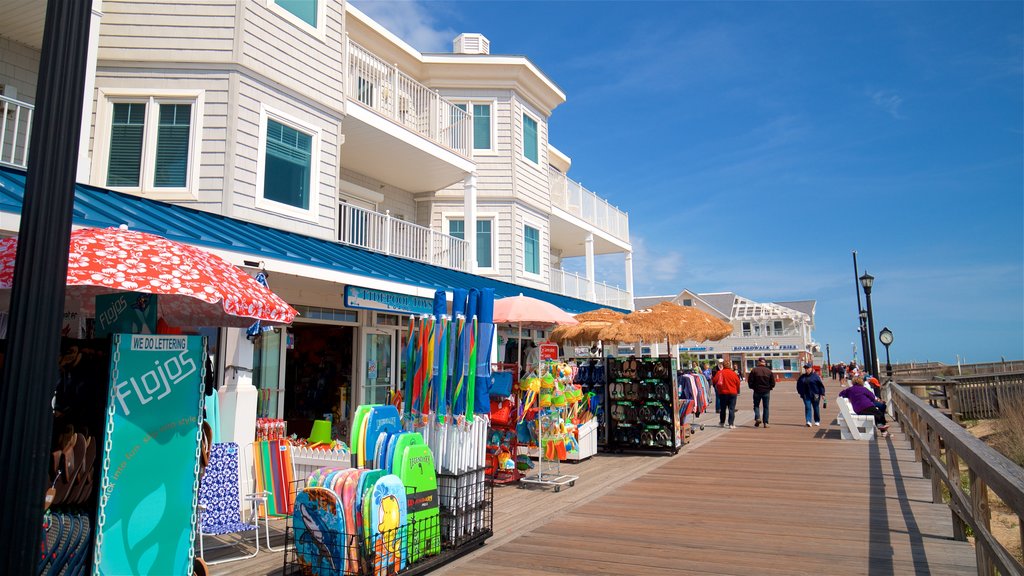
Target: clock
column 885, row 336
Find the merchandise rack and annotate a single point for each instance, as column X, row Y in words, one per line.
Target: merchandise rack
column 592, row 375
column 508, row 436
column 643, row 406
column 547, row 417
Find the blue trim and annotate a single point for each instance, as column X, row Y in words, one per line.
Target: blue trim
column 103, row 208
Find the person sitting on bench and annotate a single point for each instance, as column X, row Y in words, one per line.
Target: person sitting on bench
column 862, row 399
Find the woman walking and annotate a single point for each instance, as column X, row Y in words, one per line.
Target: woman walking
column 810, row 388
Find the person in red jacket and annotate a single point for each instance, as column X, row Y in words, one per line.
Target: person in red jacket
column 727, row 385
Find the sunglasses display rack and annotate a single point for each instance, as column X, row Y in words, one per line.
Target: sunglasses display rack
column 593, row 377
column 642, row 405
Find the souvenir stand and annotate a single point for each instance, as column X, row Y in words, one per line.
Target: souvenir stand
column 503, row 443
column 643, row 406
column 692, row 389
column 554, row 395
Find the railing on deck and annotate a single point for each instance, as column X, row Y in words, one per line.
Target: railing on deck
column 977, row 397
column 941, row 446
column 15, row 130
column 388, row 235
column 572, row 197
column 575, row 285
column 384, row 88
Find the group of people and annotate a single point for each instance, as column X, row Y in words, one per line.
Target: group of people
column 843, row 371
column 863, row 394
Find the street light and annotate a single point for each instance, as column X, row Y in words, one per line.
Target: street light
column 828, row 355
column 867, row 280
column 885, row 337
column 864, row 338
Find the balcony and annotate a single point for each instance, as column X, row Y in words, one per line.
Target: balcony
column 573, row 198
column 575, row 285
column 382, row 233
column 15, row 129
column 399, row 131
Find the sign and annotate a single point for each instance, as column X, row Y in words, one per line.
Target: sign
column 370, row 299
column 150, row 478
column 765, row 347
column 548, row 351
column 125, row 312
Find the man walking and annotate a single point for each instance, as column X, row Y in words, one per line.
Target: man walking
column 810, row 388
column 727, row 387
column 761, row 380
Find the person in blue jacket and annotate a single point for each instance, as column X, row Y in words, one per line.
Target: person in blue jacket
column 811, row 389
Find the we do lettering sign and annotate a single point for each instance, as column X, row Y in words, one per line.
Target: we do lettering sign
column 150, row 462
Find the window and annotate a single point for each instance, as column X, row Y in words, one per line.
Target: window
column 778, row 326
column 688, row 302
column 531, row 250
column 457, row 229
column 746, row 328
column 530, row 138
column 150, row 144
column 481, row 114
column 287, row 167
column 305, row 10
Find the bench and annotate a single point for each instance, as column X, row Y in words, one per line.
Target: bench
column 853, row 426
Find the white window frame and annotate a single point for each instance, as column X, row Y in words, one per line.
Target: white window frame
column 448, row 216
column 105, row 100
column 313, row 212
column 318, row 31
column 539, row 275
column 522, row 136
column 493, row 150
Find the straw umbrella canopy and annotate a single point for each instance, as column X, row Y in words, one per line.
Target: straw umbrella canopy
column 589, row 328
column 669, row 322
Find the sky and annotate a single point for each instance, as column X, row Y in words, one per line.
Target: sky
column 756, row 145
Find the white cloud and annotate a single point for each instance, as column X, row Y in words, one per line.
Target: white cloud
column 413, row 22
column 888, row 101
column 653, row 269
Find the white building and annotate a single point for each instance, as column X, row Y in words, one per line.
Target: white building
column 780, row 332
column 324, row 149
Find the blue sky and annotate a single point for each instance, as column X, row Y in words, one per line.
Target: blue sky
column 755, row 145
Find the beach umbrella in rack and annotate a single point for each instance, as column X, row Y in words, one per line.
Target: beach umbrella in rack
column 523, row 311
column 195, row 287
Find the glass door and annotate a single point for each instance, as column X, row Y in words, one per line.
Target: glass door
column 379, row 367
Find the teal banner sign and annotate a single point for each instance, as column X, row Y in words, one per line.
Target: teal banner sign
column 146, row 521
column 125, row 312
column 370, row 299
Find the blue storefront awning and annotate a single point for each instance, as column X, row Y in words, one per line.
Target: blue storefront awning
column 99, row 207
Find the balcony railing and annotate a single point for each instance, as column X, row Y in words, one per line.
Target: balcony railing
column 575, row 285
column 15, row 129
column 786, row 332
column 387, row 235
column 572, row 197
column 393, row 94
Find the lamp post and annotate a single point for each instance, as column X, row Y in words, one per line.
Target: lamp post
column 867, row 280
column 863, row 329
column 828, row 355
column 885, row 337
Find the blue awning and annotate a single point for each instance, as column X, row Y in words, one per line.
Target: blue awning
column 99, row 207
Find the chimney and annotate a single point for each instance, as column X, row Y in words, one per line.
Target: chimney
column 472, row 44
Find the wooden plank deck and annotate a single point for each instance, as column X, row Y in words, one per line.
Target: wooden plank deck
column 786, row 500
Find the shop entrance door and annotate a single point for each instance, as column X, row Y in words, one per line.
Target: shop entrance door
column 379, row 367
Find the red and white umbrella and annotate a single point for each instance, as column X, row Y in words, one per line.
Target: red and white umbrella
column 196, row 288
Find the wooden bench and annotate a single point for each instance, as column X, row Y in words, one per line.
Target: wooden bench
column 853, row 426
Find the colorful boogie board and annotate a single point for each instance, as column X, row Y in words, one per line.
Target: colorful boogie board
column 358, row 426
column 385, row 516
column 417, row 473
column 319, row 532
column 397, row 449
column 380, row 419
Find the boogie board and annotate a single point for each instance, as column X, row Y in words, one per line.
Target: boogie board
column 363, row 490
column 400, row 444
column 355, row 440
column 384, row 510
column 389, row 456
column 417, row 473
column 379, row 419
column 347, row 491
column 319, row 532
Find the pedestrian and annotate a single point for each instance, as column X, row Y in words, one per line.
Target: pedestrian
column 841, row 371
column 727, row 388
column 810, row 388
column 862, row 400
column 761, row 380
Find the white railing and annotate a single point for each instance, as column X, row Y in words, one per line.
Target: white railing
column 765, row 333
column 394, row 237
column 572, row 197
column 15, row 129
column 575, row 285
column 384, row 88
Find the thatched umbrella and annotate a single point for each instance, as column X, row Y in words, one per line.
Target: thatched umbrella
column 669, row 322
column 590, row 326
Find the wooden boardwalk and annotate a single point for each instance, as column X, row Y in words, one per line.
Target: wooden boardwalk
column 786, row 500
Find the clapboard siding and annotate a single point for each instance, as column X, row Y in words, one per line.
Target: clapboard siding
column 169, row 31
column 19, row 67
column 437, row 214
column 251, row 95
column 278, row 48
column 531, row 179
column 400, row 203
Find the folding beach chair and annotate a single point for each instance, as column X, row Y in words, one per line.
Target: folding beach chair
column 219, row 510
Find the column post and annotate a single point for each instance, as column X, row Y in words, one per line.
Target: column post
column 629, row 279
column 591, row 288
column 469, row 185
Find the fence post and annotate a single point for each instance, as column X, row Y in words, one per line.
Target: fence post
column 953, row 474
column 387, row 232
column 982, row 515
column 935, row 444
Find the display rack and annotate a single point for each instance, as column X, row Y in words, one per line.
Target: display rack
column 592, row 375
column 504, row 432
column 643, row 406
column 549, row 469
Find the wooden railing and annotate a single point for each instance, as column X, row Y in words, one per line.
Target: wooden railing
column 939, row 369
column 978, row 397
column 941, row 446
column 388, row 235
column 15, row 129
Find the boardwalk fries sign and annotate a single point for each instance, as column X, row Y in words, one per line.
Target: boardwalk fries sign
column 146, row 519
